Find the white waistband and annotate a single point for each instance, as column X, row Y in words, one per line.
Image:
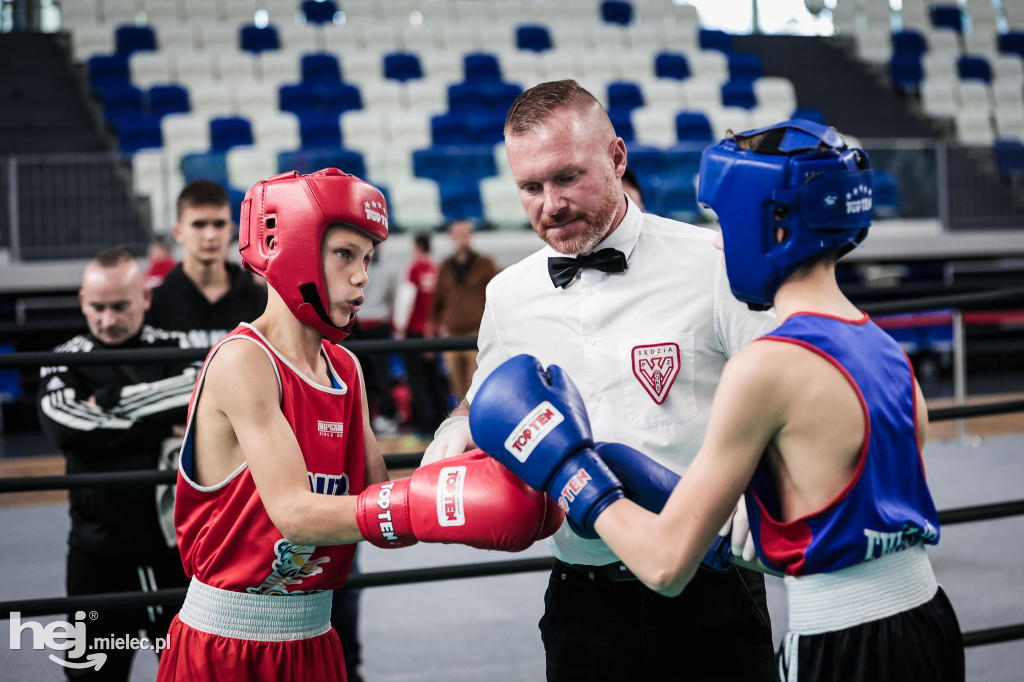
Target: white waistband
column 258, row 617
column 859, row 594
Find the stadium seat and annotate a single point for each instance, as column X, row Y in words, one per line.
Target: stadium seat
column 534, row 37
column 320, row 130
column 744, row 66
column 1009, row 158
column 738, row 93
column 616, row 12
column 909, row 41
column 319, row 11
column 460, row 200
column 1012, row 42
column 319, row 67
column 905, row 71
column 653, row 126
column 257, row 39
column 810, row 114
column 337, row 98
column 693, row 126
column 309, row 160
column 402, row 66
column 229, row 131
column 139, row 132
column 108, row 69
column 713, row 39
column 449, row 128
column 208, row 165
column 885, row 195
column 486, row 127
column 974, row 128
column 299, row 98
column 148, row 68
column 624, row 96
column 501, row 202
column 131, row 39
column 623, row 124
column 974, row 67
column 947, row 16
column 481, row 66
column 121, row 99
column 168, row 99
column 671, row 65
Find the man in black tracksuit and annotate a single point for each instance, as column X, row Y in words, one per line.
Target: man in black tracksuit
column 115, row 418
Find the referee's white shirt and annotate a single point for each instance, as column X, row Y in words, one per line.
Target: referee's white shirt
column 674, row 291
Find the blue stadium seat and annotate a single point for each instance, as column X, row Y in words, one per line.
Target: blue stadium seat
column 129, row 39
column 671, row 65
column 320, row 66
column 10, row 379
column 460, row 200
column 624, row 96
column 209, row 165
column 319, row 11
column 909, row 41
column 309, row 160
column 947, row 16
column 299, row 98
column 739, row 93
column 235, row 198
column 616, row 12
column 676, row 198
column 713, row 39
column 449, row 163
column 974, row 67
column 168, row 99
column 683, row 158
column 533, row 37
column 744, row 66
column 885, row 195
column 623, row 124
column 1009, row 158
column 449, row 128
column 256, row 39
column 229, row 131
column 486, row 127
column 649, row 164
column 467, row 96
column 1012, row 42
column 337, row 98
column 906, row 71
column 108, row 69
column 402, row 66
column 139, row 132
column 499, row 95
column 481, row 66
column 121, row 99
column 320, row 130
column 693, row 126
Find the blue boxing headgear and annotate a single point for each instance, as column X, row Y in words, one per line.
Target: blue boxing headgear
column 801, row 177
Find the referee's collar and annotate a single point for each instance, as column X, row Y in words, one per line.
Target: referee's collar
column 624, row 237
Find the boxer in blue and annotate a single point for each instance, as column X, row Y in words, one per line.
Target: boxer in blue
column 821, row 422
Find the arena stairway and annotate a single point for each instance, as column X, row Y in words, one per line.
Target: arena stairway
column 49, row 111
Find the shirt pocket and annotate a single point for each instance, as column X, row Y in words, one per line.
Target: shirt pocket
column 657, row 377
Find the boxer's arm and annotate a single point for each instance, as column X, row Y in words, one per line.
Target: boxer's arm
column 241, row 385
column 664, row 550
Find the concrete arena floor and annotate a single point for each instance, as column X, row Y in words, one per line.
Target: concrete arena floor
column 486, row 628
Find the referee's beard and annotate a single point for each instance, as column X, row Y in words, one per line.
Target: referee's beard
column 597, row 225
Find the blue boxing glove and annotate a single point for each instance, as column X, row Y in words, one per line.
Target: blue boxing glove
column 649, row 484
column 534, row 422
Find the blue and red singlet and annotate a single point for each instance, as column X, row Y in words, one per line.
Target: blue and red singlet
column 886, row 506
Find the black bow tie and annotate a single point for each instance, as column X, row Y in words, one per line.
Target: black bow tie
column 563, row 269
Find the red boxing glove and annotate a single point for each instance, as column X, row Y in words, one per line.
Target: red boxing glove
column 470, row 499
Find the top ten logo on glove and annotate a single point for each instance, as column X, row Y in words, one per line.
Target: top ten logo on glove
column 532, row 429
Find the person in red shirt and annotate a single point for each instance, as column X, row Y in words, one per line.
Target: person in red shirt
column 413, row 321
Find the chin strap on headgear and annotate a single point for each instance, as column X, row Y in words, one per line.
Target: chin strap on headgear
column 281, row 229
column 800, row 177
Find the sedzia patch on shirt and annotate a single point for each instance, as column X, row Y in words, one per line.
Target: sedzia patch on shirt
column 656, row 367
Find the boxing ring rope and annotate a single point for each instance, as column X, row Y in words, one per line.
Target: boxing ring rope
column 129, row 600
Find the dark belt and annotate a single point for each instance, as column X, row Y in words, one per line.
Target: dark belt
column 616, row 572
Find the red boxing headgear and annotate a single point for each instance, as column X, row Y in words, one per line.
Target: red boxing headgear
column 281, row 228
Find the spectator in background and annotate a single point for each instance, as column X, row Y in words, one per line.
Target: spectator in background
column 205, row 295
column 459, row 302
column 415, row 300
column 631, row 186
column 115, row 418
column 375, row 322
column 161, row 260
